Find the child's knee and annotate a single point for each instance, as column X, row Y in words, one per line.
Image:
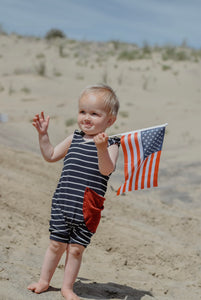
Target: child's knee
column 76, row 250
column 57, row 247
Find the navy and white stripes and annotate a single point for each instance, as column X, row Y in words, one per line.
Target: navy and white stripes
column 80, row 170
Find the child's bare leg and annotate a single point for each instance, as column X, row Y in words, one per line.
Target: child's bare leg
column 73, row 261
column 51, row 260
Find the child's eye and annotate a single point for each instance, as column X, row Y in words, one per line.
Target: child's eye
column 94, row 114
column 82, row 112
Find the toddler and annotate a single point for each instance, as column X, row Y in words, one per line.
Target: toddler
column 89, row 159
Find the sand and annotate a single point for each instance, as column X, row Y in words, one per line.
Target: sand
column 148, row 244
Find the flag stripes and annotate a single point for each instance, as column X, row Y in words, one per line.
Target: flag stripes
column 139, row 173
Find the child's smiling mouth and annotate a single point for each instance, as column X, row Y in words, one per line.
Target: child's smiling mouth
column 87, row 125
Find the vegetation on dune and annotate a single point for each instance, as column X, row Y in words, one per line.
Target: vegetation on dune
column 55, row 33
column 99, row 52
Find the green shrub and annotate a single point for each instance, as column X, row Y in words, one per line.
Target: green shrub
column 123, row 114
column 172, row 53
column 70, row 122
column 41, row 68
column 181, row 55
column 129, row 55
column 169, row 53
column 146, row 49
column 166, row 67
column 54, row 33
column 26, row 90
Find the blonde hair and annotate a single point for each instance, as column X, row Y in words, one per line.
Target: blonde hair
column 108, row 95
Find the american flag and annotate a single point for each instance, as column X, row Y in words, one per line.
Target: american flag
column 142, row 151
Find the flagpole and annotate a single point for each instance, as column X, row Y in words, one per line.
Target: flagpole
column 163, row 125
column 120, row 134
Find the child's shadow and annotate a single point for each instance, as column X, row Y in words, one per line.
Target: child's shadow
column 103, row 291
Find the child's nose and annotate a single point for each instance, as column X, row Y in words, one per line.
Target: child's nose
column 87, row 117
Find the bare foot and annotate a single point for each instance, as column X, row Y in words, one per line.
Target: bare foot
column 68, row 294
column 38, row 287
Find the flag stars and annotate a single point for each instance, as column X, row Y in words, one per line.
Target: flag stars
column 152, row 140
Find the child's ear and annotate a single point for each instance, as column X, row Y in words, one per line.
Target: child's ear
column 111, row 121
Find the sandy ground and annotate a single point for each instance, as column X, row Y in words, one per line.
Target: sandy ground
column 148, row 244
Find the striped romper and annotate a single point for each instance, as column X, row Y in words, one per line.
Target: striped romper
column 78, row 199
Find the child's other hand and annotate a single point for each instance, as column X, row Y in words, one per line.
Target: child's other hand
column 40, row 123
column 101, row 140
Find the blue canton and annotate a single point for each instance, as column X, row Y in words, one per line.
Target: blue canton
column 152, row 140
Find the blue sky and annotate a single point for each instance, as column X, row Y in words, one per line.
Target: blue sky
column 154, row 21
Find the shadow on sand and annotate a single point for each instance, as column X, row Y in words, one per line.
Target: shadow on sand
column 104, row 291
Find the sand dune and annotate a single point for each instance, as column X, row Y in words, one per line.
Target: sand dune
column 148, row 244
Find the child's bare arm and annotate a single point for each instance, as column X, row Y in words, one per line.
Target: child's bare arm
column 53, row 154
column 49, row 153
column 107, row 156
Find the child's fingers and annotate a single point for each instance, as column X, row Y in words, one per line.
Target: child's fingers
column 36, row 125
column 42, row 119
column 35, row 119
column 101, row 138
column 47, row 120
column 40, row 123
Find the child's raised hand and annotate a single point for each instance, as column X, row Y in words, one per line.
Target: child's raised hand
column 40, row 123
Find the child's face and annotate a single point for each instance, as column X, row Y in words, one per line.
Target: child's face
column 92, row 116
